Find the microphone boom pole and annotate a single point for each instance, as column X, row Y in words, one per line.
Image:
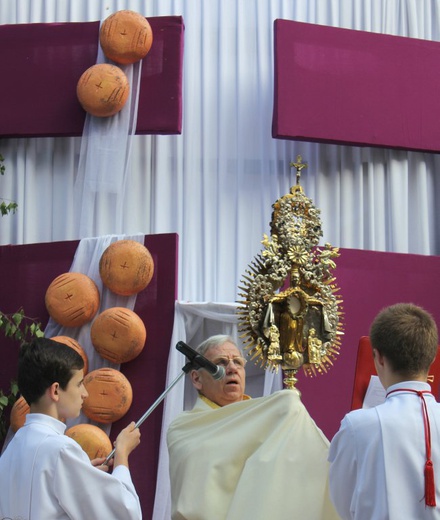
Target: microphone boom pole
column 156, row 403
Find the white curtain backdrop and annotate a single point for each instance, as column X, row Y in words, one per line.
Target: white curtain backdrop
column 214, row 184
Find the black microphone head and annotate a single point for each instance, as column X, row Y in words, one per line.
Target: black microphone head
column 220, row 373
column 186, row 350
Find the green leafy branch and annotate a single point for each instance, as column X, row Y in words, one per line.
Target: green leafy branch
column 21, row 328
column 6, row 206
column 6, row 400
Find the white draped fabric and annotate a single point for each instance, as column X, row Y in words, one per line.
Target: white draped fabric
column 86, row 261
column 105, row 154
column 214, row 184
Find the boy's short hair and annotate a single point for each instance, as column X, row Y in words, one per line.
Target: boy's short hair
column 407, row 336
column 43, row 362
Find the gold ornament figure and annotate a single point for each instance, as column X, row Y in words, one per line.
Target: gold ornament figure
column 314, row 346
column 298, row 325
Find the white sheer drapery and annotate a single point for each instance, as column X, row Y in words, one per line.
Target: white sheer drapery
column 214, row 185
column 105, row 153
column 86, row 261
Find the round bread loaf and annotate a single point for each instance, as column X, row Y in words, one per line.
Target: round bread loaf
column 94, row 441
column 126, row 37
column 110, row 395
column 72, row 299
column 70, row 342
column 126, row 267
column 118, row 334
column 103, row 90
column 18, row 414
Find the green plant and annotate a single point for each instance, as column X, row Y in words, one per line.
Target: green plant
column 6, row 206
column 6, row 400
column 21, row 328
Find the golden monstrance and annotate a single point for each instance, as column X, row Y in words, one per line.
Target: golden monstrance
column 291, row 315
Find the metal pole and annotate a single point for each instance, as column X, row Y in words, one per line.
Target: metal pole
column 156, row 403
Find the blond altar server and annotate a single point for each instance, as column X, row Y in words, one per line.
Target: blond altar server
column 236, row 458
column 385, row 461
column 45, row 475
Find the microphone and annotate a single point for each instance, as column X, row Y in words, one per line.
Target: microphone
column 199, row 361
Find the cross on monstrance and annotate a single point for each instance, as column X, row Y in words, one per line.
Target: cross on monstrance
column 298, row 165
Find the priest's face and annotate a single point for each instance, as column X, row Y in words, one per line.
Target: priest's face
column 230, row 389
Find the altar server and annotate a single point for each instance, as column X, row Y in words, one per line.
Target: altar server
column 236, row 458
column 385, row 461
column 46, row 475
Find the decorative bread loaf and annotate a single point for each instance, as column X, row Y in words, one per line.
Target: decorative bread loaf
column 94, row 441
column 126, row 267
column 72, row 299
column 110, row 395
column 118, row 334
column 126, row 37
column 103, row 90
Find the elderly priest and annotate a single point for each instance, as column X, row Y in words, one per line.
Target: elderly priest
column 236, row 458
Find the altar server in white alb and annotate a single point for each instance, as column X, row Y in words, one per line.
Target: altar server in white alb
column 385, row 461
column 236, row 458
column 46, row 475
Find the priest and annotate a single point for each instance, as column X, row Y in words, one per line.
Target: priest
column 232, row 457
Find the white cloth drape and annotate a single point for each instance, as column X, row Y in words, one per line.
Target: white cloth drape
column 86, row 261
column 105, row 152
column 214, row 184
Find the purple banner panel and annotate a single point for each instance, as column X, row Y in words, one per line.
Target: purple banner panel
column 356, row 88
column 368, row 281
column 42, row 63
column 27, row 271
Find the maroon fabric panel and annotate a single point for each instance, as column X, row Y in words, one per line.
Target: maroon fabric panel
column 359, row 88
column 42, row 63
column 368, row 281
column 27, row 271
